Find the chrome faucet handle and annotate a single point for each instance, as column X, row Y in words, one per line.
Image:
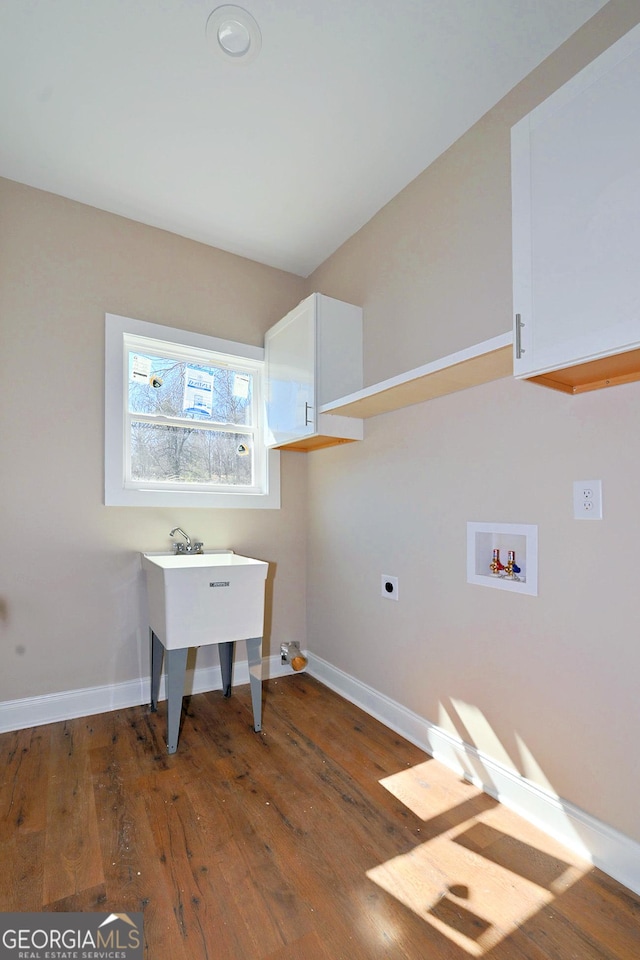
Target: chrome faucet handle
column 179, row 548
column 198, row 546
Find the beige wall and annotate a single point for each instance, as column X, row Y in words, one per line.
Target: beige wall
column 547, row 685
column 70, row 584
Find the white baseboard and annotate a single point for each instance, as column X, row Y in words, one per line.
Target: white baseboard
column 87, row 702
column 600, row 844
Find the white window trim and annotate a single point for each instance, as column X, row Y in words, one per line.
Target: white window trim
column 115, row 492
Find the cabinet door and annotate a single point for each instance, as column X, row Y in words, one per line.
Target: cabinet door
column 576, row 217
column 290, row 349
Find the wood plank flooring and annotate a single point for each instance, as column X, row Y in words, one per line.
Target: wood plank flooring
column 325, row 837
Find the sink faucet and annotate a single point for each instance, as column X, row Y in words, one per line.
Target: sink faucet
column 187, row 547
column 181, row 547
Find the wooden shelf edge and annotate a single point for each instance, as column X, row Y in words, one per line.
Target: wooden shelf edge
column 317, row 442
column 490, row 360
column 332, row 431
column 608, row 371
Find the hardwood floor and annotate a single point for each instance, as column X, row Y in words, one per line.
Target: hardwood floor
column 325, row 837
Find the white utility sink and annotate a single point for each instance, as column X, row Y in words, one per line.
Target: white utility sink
column 201, row 598
column 197, row 599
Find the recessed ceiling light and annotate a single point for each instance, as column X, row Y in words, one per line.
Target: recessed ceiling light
column 235, row 34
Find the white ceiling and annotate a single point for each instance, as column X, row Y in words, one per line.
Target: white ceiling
column 125, row 105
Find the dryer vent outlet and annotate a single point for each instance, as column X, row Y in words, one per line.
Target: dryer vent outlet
column 290, row 653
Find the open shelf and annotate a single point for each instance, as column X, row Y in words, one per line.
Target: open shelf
column 490, row 360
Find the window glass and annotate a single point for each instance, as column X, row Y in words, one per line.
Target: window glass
column 176, row 388
column 203, row 395
column 184, row 455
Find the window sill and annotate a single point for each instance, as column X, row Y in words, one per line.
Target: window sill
column 119, row 496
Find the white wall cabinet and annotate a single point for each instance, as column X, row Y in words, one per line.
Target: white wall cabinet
column 576, row 228
column 313, row 356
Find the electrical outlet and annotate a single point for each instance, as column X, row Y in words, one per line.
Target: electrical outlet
column 389, row 587
column 587, row 499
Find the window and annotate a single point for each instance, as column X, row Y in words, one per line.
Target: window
column 184, row 420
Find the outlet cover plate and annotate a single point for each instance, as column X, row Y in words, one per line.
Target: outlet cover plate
column 587, row 499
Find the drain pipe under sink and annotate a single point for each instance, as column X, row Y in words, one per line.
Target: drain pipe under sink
column 290, row 653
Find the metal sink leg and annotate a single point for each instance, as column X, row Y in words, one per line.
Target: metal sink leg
column 176, row 669
column 225, row 652
column 254, row 658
